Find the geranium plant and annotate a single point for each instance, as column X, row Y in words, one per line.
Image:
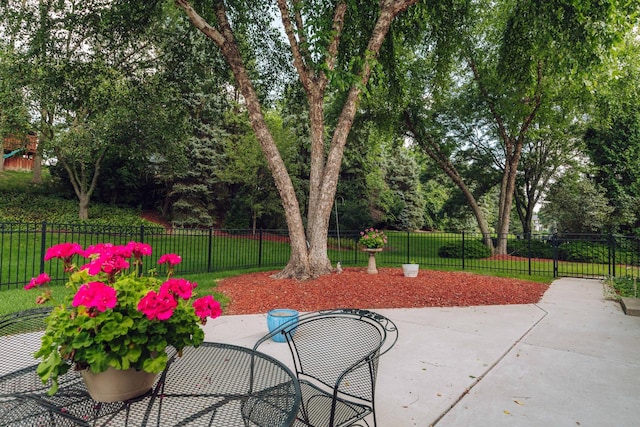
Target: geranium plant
column 372, row 238
column 116, row 316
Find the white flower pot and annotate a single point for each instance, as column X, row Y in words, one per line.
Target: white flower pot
column 115, row 385
column 410, row 270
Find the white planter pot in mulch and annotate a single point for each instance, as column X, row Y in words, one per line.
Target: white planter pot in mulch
column 410, row 270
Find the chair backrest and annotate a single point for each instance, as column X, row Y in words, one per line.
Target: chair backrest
column 20, row 337
column 340, row 348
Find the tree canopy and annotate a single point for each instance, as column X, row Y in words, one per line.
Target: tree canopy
column 399, row 114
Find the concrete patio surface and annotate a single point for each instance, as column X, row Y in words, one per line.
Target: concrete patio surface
column 573, row 359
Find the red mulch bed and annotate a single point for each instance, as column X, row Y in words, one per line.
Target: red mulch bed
column 258, row 292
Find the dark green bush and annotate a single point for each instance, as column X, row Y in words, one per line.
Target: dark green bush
column 30, row 207
column 534, row 248
column 592, row 252
column 345, row 243
column 472, row 249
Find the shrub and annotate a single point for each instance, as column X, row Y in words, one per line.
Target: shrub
column 472, row 249
column 625, row 286
column 533, row 248
column 583, row 252
column 345, row 243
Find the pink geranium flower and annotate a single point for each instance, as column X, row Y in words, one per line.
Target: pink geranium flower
column 207, row 307
column 96, row 295
column 121, row 312
column 108, row 263
column 38, row 281
column 171, row 259
column 157, row 305
column 180, row 287
column 64, row 251
column 139, row 249
column 95, row 251
column 114, row 264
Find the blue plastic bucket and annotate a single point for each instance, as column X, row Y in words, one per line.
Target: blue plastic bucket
column 278, row 317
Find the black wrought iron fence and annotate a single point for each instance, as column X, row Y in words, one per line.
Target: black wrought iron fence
column 23, row 246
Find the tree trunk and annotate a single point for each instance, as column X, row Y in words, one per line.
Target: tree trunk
column 254, row 222
column 512, row 151
column 525, row 212
column 507, row 188
column 308, row 249
column 37, row 167
column 430, row 146
column 83, row 206
column 45, row 135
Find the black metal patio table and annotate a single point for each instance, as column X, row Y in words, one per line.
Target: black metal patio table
column 212, row 385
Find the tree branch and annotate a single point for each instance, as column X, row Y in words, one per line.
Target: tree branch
column 536, row 104
column 200, row 23
column 485, row 94
column 301, row 57
column 336, row 33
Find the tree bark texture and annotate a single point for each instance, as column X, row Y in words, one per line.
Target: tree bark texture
column 308, row 247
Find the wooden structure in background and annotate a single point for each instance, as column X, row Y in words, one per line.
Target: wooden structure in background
column 20, row 152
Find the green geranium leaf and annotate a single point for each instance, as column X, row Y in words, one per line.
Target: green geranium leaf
column 156, row 364
column 98, row 361
column 82, row 340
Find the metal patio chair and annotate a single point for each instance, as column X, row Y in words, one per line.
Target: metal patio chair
column 335, row 356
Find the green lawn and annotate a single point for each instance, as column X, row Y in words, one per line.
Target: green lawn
column 18, row 299
column 210, row 254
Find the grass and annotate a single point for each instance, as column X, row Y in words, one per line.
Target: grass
column 18, row 299
column 19, row 181
column 625, row 286
column 220, row 255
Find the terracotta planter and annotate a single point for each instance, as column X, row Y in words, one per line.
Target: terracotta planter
column 114, row 385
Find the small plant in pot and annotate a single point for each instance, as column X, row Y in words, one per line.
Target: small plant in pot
column 372, row 238
column 411, row 269
column 118, row 318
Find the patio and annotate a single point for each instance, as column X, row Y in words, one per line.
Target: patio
column 572, row 359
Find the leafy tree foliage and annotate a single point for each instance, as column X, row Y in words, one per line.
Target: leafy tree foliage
column 513, row 57
column 575, row 204
column 80, row 62
column 14, row 117
column 613, row 138
column 552, row 145
column 403, row 179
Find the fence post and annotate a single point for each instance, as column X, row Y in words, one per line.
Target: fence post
column 554, row 243
column 260, row 250
column 529, row 250
column 408, row 248
column 43, row 243
column 210, row 250
column 463, row 249
column 612, row 252
column 141, row 233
